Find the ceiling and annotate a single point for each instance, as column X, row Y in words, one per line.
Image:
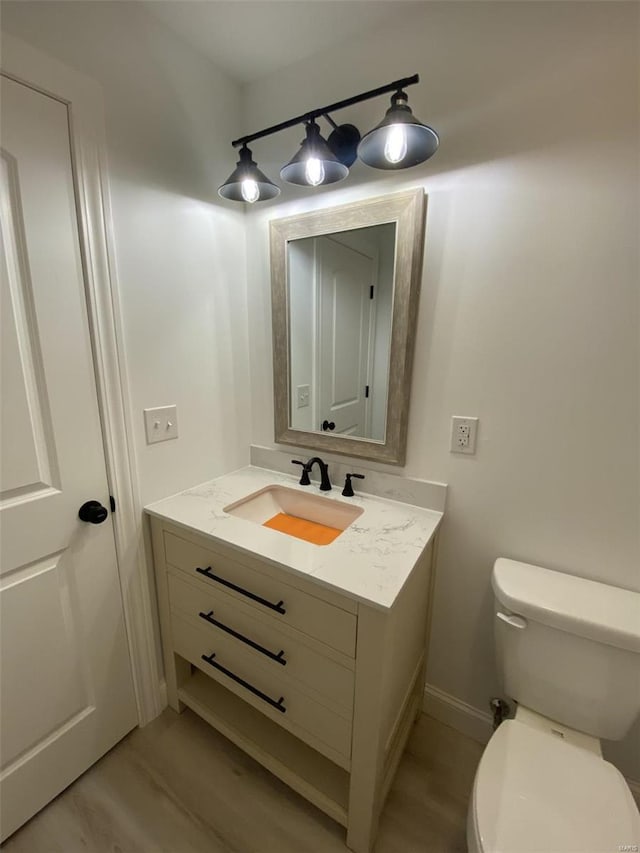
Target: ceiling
column 249, row 39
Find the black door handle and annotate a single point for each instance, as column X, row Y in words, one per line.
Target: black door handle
column 93, row 512
column 328, row 425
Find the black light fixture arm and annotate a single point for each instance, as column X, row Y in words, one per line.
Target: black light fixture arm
column 330, row 108
column 328, row 119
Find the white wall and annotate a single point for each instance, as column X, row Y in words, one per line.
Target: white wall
column 170, row 115
column 529, row 307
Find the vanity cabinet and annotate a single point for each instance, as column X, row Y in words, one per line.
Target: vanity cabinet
column 320, row 688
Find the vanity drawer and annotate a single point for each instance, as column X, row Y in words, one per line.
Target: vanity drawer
column 225, row 618
column 269, row 595
column 265, row 689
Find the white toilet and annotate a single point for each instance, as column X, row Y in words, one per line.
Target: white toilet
column 569, row 652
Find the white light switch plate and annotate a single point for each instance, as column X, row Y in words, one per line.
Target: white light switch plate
column 463, row 434
column 302, row 396
column 161, row 423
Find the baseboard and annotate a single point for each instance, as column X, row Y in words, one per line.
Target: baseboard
column 457, row 714
column 476, row 724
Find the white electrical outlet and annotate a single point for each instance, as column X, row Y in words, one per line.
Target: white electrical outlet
column 463, row 434
column 161, row 423
column 302, row 396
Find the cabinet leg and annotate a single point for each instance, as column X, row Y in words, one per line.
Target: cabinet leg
column 367, row 747
column 176, row 675
column 362, row 830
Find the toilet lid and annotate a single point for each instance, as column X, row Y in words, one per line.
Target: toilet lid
column 535, row 793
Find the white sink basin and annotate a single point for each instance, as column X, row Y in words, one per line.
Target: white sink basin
column 289, row 505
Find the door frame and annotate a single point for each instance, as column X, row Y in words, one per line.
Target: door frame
column 84, row 100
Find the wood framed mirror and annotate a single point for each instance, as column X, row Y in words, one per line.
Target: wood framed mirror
column 345, row 284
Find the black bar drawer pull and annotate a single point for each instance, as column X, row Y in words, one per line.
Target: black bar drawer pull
column 278, row 658
column 208, row 573
column 277, row 705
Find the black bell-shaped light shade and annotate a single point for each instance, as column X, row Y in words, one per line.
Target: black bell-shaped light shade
column 247, row 182
column 315, row 163
column 400, row 140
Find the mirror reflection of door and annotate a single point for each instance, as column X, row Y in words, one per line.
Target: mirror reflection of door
column 340, row 306
column 345, row 279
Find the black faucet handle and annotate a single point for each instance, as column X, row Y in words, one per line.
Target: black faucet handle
column 304, row 479
column 348, row 488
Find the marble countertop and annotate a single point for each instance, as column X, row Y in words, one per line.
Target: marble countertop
column 370, row 561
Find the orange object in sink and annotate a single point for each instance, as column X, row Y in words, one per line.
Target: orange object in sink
column 310, row 531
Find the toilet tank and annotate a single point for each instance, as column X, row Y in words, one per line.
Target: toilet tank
column 568, row 648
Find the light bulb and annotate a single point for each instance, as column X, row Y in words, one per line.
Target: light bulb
column 314, row 171
column 395, row 146
column 250, row 191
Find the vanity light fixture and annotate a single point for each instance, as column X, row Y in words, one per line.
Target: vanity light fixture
column 247, row 182
column 315, row 163
column 398, row 142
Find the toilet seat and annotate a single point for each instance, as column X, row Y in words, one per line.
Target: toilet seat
column 536, row 793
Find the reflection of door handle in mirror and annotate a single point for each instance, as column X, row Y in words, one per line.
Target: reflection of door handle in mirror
column 328, row 425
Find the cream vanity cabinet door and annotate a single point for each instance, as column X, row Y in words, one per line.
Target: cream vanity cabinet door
column 320, row 689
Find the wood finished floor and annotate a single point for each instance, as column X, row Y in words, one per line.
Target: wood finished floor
column 177, row 786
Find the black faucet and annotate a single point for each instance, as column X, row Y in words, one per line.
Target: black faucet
column 325, row 483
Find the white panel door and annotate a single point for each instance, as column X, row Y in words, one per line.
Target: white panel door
column 345, row 277
column 66, row 688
